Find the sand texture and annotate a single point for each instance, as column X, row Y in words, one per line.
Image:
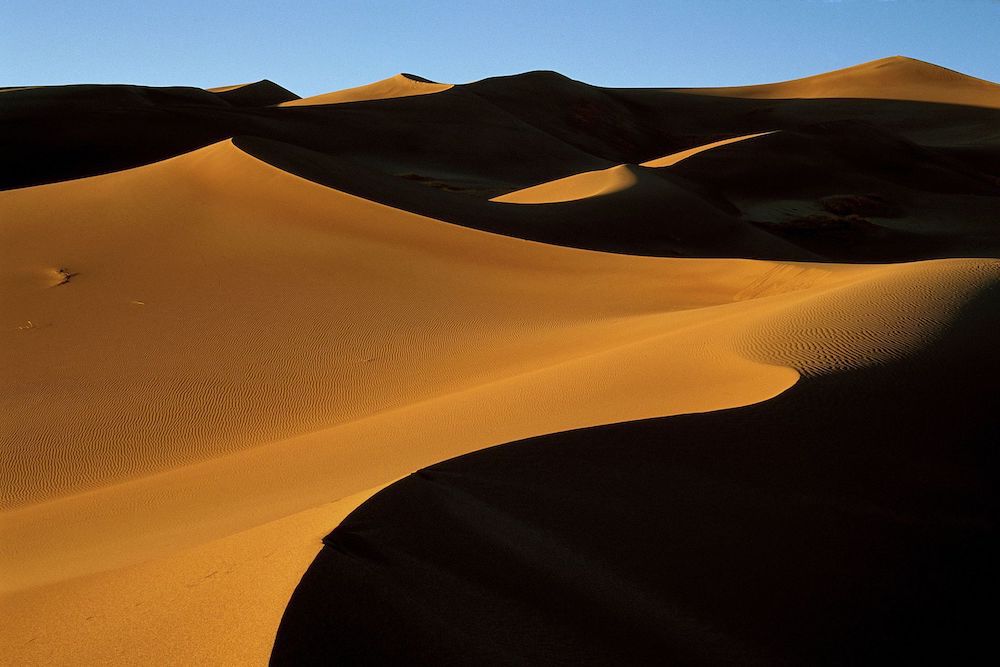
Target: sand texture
column 740, row 341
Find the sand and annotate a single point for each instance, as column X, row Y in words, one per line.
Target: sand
column 604, row 181
column 208, row 361
column 398, row 85
column 893, row 78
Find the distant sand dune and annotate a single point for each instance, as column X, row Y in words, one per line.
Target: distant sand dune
column 398, row 85
column 674, row 158
column 579, row 186
column 893, row 78
column 604, row 181
column 256, row 94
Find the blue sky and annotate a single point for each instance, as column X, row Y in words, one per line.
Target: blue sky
column 311, row 46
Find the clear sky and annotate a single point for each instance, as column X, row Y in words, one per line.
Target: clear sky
column 312, row 46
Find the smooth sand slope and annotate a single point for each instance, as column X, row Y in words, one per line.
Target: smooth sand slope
column 674, row 158
column 398, row 85
column 201, row 370
column 578, row 186
column 893, row 78
column 602, row 182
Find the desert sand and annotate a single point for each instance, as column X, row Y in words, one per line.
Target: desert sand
column 400, row 85
column 893, row 78
column 225, row 329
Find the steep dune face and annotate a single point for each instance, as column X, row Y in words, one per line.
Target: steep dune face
column 398, row 85
column 894, row 78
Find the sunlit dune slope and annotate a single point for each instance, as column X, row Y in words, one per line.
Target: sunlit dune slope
column 604, row 181
column 289, row 299
column 674, row 158
column 579, row 186
column 659, row 214
column 212, row 332
column 893, row 78
column 398, row 85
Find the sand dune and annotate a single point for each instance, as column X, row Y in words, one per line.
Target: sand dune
column 579, row 186
column 540, row 126
column 208, row 360
column 674, row 158
column 605, row 181
column 848, row 520
column 256, row 94
column 398, row 85
column 893, row 78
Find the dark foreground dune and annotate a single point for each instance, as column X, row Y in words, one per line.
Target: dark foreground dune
column 851, row 520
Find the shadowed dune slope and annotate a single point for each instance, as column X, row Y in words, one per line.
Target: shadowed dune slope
column 846, row 521
column 399, row 85
column 258, row 94
column 850, row 191
column 660, row 215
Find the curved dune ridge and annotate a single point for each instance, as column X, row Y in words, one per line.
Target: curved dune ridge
column 893, row 78
column 207, row 362
column 341, row 336
column 847, row 521
column 398, row 85
column 578, row 186
column 674, row 158
column 589, row 184
column 155, row 356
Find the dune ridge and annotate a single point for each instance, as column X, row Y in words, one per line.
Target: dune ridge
column 892, row 78
column 579, row 186
column 398, row 85
column 231, row 317
column 589, row 184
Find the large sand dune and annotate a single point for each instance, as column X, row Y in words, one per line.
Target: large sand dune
column 399, row 85
column 215, row 351
column 893, row 78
